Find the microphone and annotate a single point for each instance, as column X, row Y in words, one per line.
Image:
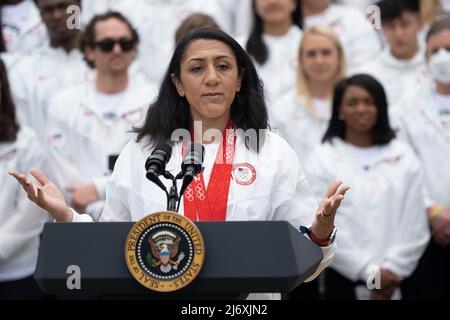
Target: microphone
column 193, row 160
column 155, row 165
column 191, row 165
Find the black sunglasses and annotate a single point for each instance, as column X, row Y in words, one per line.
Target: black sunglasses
column 107, row 45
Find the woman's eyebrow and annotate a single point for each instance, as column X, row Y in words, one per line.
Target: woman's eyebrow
column 201, row 59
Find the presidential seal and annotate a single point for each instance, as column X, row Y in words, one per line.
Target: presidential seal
column 164, row 251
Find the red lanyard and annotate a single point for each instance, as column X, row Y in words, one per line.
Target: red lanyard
column 210, row 204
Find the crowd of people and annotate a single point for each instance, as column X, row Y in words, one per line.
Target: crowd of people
column 353, row 91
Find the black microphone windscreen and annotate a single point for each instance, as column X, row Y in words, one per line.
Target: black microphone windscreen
column 195, row 154
column 199, row 151
column 166, row 148
column 161, row 155
column 193, row 159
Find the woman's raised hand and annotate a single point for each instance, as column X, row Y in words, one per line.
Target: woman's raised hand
column 46, row 195
column 323, row 223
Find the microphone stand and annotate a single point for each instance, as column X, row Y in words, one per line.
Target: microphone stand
column 172, row 196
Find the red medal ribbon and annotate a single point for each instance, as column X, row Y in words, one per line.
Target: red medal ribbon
column 210, row 204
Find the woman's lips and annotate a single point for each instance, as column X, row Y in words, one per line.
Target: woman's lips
column 212, row 94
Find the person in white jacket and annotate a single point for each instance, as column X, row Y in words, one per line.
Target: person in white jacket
column 211, row 85
column 404, row 57
column 356, row 33
column 302, row 114
column 90, row 124
column 22, row 26
column 430, row 10
column 274, row 43
column 384, row 221
column 53, row 67
column 20, row 223
column 423, row 120
column 236, row 17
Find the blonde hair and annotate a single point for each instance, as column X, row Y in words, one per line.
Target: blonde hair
column 430, row 10
column 303, row 89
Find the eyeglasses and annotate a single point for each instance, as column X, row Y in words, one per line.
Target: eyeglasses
column 107, row 45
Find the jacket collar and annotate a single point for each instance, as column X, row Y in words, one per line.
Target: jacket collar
column 131, row 101
column 389, row 152
column 34, row 19
column 428, row 110
column 59, row 53
column 418, row 60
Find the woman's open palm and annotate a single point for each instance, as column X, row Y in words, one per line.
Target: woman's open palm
column 46, row 195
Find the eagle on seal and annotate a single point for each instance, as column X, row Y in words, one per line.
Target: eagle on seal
column 164, row 247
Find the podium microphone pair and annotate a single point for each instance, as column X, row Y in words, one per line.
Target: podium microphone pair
column 155, row 166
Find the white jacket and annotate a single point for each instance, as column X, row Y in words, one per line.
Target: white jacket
column 236, row 16
column 81, row 139
column 395, row 75
column 417, row 120
column 32, row 35
column 361, row 5
column 10, row 59
column 383, row 220
column 228, row 14
column 280, row 191
column 358, row 36
column 279, row 73
column 297, row 125
column 41, row 76
column 21, row 221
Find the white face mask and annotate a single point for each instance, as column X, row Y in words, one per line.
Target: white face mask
column 440, row 66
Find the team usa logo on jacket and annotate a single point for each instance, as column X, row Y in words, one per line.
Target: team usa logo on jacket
column 244, row 174
column 8, row 155
column 164, row 251
column 135, row 117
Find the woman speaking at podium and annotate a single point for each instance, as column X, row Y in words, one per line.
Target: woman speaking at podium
column 210, row 87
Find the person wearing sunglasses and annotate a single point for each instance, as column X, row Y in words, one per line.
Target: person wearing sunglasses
column 55, row 66
column 90, row 123
column 107, row 45
column 423, row 119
